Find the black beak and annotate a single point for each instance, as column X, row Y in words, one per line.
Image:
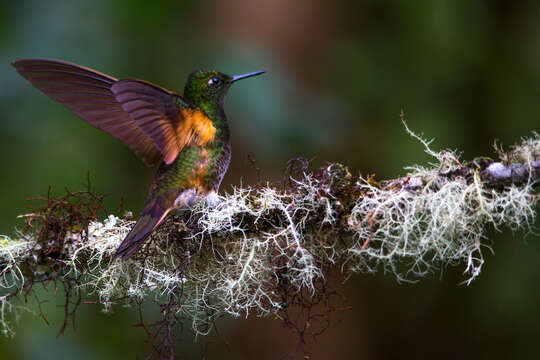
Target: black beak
column 245, row 76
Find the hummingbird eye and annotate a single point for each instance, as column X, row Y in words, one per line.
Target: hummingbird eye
column 215, row 81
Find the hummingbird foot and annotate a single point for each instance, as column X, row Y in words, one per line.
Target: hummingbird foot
column 212, row 199
column 186, row 199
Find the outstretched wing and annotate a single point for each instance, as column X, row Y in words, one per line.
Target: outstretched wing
column 154, row 110
column 90, row 95
column 167, row 118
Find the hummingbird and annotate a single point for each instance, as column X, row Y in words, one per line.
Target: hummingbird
column 188, row 134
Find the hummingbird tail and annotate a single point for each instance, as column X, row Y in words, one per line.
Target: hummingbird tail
column 153, row 214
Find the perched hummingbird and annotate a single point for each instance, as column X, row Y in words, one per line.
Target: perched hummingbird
column 188, row 133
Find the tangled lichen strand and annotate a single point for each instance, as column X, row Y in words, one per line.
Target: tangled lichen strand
column 444, row 222
column 259, row 244
column 12, row 252
column 439, row 219
column 243, row 275
column 114, row 280
column 527, row 150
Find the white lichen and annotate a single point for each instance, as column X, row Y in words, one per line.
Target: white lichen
column 258, row 238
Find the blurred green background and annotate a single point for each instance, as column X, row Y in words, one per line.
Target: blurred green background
column 465, row 72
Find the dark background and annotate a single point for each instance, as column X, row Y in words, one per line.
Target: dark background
column 465, row 72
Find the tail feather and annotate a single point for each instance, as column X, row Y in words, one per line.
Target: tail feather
column 153, row 214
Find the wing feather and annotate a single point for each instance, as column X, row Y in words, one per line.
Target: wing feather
column 148, row 118
column 155, row 111
column 87, row 93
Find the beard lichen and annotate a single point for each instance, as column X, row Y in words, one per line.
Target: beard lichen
column 262, row 245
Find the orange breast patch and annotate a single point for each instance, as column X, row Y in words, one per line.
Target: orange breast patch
column 195, row 127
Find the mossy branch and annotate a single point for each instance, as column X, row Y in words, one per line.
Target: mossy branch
column 263, row 247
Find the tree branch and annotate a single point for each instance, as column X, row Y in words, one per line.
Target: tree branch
column 263, row 248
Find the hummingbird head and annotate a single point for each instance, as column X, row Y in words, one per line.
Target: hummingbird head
column 210, row 87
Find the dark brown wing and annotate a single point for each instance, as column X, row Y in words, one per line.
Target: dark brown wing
column 170, row 120
column 156, row 112
column 88, row 94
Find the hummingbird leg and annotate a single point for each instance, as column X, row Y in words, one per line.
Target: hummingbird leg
column 185, row 199
column 212, row 199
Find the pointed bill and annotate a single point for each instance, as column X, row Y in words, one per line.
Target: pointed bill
column 245, row 76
